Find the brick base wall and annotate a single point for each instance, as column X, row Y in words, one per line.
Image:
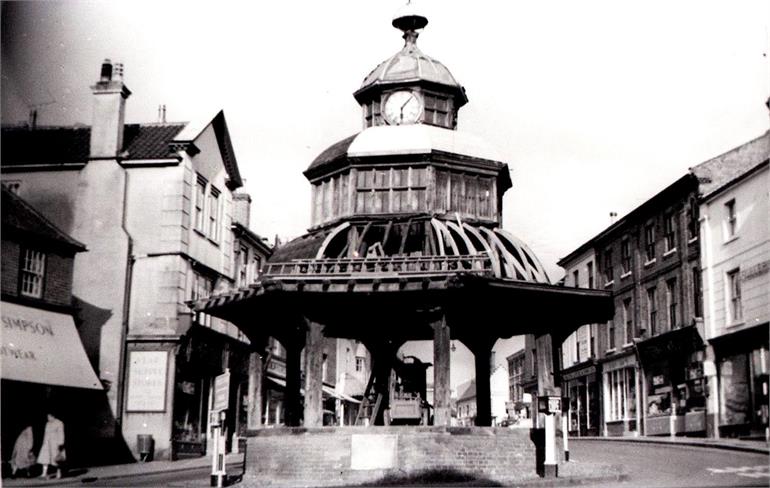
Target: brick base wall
column 332, row 456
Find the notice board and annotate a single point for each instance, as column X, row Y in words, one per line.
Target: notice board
column 147, row 381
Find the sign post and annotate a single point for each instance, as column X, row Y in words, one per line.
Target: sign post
column 221, row 403
column 550, row 405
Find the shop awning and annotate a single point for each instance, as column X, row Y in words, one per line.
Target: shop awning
column 39, row 346
column 328, row 390
column 674, row 344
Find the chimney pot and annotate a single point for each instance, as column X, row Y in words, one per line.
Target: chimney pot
column 106, row 71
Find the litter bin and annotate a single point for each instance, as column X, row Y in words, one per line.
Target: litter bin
column 145, row 445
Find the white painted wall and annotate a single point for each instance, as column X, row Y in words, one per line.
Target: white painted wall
column 748, row 250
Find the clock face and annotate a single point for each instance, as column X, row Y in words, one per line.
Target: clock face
column 403, row 107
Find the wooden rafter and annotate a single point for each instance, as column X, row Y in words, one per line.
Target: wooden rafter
column 329, row 238
column 407, row 226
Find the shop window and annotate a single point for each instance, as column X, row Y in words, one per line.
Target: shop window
column 32, row 273
column 621, row 392
column 735, row 394
column 652, row 312
column 731, row 219
column 734, row 295
column 649, row 242
column 669, row 232
column 671, row 300
column 660, row 396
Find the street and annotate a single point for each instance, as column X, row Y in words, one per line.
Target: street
column 647, row 465
column 662, row 465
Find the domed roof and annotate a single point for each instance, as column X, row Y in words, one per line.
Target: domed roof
column 509, row 257
column 389, row 140
column 410, row 64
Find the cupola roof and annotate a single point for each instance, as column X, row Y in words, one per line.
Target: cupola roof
column 410, row 64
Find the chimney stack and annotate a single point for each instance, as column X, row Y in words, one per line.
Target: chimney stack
column 242, row 208
column 110, row 94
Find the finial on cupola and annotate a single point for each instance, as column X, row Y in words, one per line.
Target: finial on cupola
column 409, row 20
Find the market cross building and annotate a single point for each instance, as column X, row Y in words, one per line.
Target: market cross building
column 406, row 244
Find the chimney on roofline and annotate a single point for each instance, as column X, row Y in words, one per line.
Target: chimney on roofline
column 242, row 208
column 110, row 94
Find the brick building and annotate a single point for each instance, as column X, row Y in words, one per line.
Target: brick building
column 44, row 365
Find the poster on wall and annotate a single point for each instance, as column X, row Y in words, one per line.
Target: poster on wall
column 147, row 381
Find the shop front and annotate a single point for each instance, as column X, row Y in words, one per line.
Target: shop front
column 202, row 355
column 743, row 364
column 674, row 383
column 620, row 378
column 581, row 384
column 45, row 370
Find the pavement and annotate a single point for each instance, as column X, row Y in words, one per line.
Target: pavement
column 94, row 474
column 235, row 462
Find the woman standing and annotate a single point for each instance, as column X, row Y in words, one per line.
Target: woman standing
column 52, row 451
column 23, row 457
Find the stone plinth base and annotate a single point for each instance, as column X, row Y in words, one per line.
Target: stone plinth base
column 333, row 456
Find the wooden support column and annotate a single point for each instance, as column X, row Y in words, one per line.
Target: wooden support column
column 546, row 384
column 314, row 375
column 481, row 347
column 442, row 389
column 254, row 395
column 482, row 354
column 293, row 343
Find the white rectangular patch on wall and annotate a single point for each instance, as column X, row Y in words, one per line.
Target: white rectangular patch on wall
column 371, row 451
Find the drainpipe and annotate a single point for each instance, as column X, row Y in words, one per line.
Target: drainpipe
column 709, row 326
column 126, row 310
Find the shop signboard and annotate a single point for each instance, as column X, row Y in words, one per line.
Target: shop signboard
column 221, row 392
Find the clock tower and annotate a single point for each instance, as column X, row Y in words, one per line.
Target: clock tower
column 410, row 87
column 410, row 184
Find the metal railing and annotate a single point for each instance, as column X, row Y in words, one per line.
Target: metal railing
column 389, row 266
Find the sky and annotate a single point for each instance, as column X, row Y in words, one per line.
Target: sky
column 595, row 105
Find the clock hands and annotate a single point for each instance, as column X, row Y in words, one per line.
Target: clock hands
column 403, row 106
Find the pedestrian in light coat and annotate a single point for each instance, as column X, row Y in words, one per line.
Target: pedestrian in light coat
column 52, row 451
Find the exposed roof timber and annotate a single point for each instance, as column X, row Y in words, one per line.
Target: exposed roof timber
column 501, row 308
